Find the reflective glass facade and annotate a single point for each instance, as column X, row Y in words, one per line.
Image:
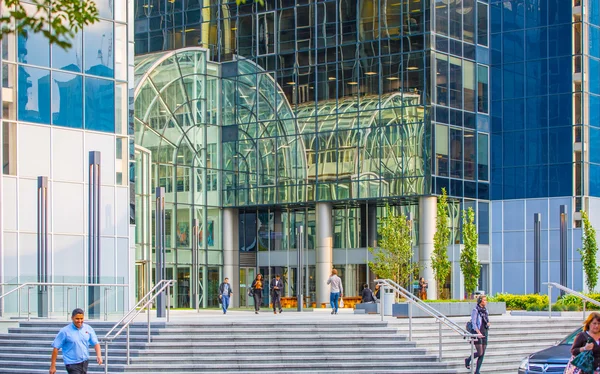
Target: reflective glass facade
column 348, row 103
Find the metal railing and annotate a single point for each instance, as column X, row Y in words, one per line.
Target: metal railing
column 128, row 318
column 584, row 299
column 32, row 285
column 428, row 309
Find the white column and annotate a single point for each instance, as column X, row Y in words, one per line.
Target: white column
column 324, row 213
column 231, row 252
column 427, row 217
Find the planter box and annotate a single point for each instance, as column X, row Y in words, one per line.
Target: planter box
column 369, row 308
column 448, row 309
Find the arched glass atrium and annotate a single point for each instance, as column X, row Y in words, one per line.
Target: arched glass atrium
column 224, row 136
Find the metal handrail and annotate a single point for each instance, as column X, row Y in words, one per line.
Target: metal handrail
column 440, row 318
column 31, row 285
column 133, row 313
column 584, row 299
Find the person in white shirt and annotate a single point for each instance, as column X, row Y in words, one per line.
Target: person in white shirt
column 336, row 290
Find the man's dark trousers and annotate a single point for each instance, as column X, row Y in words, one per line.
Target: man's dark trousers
column 80, row 368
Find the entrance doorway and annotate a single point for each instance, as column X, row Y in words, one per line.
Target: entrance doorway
column 246, row 278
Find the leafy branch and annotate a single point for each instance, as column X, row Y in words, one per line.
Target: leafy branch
column 57, row 20
column 469, row 264
column 439, row 260
column 588, row 253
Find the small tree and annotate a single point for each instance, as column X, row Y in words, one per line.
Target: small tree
column 439, row 260
column 57, row 20
column 393, row 257
column 469, row 264
column 588, row 253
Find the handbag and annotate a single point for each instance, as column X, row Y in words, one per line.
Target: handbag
column 469, row 326
column 251, row 292
column 341, row 302
column 584, row 361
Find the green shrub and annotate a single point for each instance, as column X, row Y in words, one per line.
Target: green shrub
column 520, row 302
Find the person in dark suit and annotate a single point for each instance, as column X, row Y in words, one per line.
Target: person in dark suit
column 276, row 289
column 367, row 295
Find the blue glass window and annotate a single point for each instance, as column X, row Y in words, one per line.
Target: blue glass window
column 536, row 78
column 99, row 104
column 560, row 148
column 495, row 17
column 594, row 12
column 537, row 181
column 514, row 78
column 456, row 187
column 514, row 148
column 470, row 189
column 594, row 109
column 442, row 183
column 483, row 224
column 513, row 16
column 34, row 49
column 482, row 157
column 514, row 188
column 484, row 191
column 34, row 95
column 67, row 100
column 536, row 13
column 497, row 188
column 99, row 53
column 594, row 41
column 559, row 81
column 514, row 115
column 537, row 146
column 512, row 46
column 594, row 145
column 536, row 43
column 594, row 74
column 559, row 40
column 561, row 180
column 105, row 8
column 536, row 112
column 559, row 11
column 595, row 180
column 561, row 110
column 496, row 151
column 71, row 59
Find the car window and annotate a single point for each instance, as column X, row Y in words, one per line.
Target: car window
column 569, row 339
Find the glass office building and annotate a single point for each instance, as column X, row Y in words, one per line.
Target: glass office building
column 544, row 120
column 260, row 119
column 57, row 107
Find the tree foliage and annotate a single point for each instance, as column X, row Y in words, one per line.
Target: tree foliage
column 393, row 257
column 588, row 253
column 57, row 20
column 439, row 260
column 469, row 264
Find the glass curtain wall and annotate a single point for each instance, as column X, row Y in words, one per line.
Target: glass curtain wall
column 176, row 121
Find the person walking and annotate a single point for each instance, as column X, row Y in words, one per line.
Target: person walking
column 481, row 324
column 276, row 289
column 423, row 288
column 588, row 340
column 257, row 289
column 225, row 293
column 336, row 290
column 75, row 341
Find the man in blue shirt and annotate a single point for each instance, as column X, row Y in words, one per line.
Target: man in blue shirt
column 75, row 340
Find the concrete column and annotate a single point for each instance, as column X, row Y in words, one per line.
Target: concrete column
column 427, row 217
column 231, row 252
column 324, row 255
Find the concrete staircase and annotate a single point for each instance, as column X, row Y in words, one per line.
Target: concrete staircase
column 511, row 339
column 221, row 346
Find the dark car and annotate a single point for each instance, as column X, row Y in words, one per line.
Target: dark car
column 550, row 360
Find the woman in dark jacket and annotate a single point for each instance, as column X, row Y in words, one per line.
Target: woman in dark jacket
column 257, row 289
column 589, row 338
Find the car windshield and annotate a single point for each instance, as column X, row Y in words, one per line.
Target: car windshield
column 569, row 339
